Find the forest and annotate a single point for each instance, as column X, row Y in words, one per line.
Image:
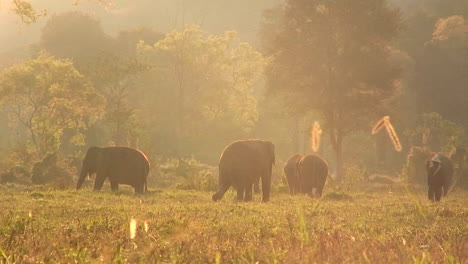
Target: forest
column 374, row 87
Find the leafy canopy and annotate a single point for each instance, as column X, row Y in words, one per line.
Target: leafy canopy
column 334, row 58
column 203, row 81
column 46, row 96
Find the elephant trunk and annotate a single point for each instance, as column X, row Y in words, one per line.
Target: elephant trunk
column 83, row 174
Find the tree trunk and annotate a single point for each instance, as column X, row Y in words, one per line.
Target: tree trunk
column 381, row 152
column 296, row 135
column 339, row 162
column 336, row 139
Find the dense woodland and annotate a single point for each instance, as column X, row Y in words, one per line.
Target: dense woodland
column 375, row 87
column 182, row 79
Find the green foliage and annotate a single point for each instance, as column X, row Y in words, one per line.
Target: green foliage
column 37, row 226
column 53, row 169
column 63, row 35
column 436, row 132
column 26, row 12
column 44, row 96
column 114, row 77
column 127, row 40
column 436, row 41
column 188, row 174
column 207, row 81
column 414, row 170
column 333, row 57
column 354, row 175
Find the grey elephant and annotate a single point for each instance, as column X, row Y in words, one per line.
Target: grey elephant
column 241, row 164
column 312, row 172
column 439, row 176
column 290, row 170
column 121, row 165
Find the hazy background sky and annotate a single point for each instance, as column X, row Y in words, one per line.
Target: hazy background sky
column 214, row 16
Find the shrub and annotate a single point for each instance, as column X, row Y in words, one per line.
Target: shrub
column 415, row 168
column 188, row 174
column 17, row 174
column 354, row 175
column 54, row 170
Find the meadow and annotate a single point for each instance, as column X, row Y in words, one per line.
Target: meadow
column 43, row 225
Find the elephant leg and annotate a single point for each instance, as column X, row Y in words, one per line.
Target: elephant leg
column 292, row 189
column 240, row 193
column 100, row 178
column 430, row 193
column 446, row 190
column 257, row 187
column 438, row 193
column 248, row 193
column 114, row 186
column 139, row 188
column 318, row 192
column 266, row 180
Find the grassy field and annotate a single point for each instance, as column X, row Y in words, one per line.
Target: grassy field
column 49, row 226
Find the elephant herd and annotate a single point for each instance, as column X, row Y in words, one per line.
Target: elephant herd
column 242, row 164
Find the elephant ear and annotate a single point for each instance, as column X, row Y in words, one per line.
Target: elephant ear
column 91, row 157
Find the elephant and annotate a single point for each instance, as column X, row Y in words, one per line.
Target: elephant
column 290, row 170
column 122, row 165
column 312, row 174
column 242, row 163
column 439, row 176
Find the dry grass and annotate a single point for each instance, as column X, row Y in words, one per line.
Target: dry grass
column 187, row 227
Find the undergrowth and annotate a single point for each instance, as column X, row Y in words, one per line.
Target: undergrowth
column 178, row 226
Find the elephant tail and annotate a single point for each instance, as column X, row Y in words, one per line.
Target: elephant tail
column 146, row 185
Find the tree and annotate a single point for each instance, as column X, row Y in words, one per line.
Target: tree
column 127, row 40
column 75, row 36
column 204, row 87
column 435, row 133
column 439, row 82
column 333, row 57
column 46, row 96
column 114, row 77
column 28, row 14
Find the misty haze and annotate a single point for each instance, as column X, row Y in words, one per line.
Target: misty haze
column 223, row 131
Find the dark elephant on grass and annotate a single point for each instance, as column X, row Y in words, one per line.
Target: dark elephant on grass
column 439, row 176
column 242, row 163
column 312, row 171
column 121, row 165
column 290, row 170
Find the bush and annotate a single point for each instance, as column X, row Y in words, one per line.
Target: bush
column 415, row 168
column 187, row 174
column 54, row 170
column 17, row 174
column 354, row 175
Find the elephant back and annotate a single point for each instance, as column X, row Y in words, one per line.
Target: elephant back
column 125, row 159
column 249, row 159
column 291, row 165
column 313, row 170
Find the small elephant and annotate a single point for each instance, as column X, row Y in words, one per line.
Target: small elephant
column 312, row 171
column 121, row 165
column 241, row 165
column 290, row 170
column 439, row 176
